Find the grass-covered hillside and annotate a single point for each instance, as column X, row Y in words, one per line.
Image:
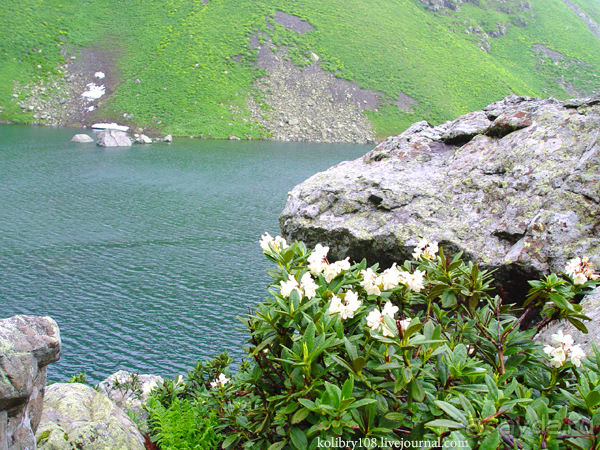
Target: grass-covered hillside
column 193, row 67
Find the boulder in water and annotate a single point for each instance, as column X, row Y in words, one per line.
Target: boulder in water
column 113, row 138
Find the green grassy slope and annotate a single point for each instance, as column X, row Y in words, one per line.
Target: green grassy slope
column 195, row 64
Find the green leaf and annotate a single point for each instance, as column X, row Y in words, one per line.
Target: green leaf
column 277, row 445
column 397, row 417
column 492, row 442
column 359, row 363
column 452, row 411
column 592, row 399
column 416, row 390
column 448, row 299
column 300, row 415
column 229, row 441
column 438, row 423
column 362, row 402
column 348, row 387
column 493, row 389
column 298, row 438
column 578, row 324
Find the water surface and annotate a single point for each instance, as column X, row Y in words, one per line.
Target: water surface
column 143, row 255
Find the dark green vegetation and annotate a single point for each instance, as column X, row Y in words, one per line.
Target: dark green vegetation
column 420, row 352
column 196, row 66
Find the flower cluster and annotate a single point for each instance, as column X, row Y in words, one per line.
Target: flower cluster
column 390, row 278
column 346, row 307
column 580, row 270
column 269, row 243
column 425, row 249
column 307, row 286
column 375, row 319
column 317, row 264
column 563, row 347
column 220, row 381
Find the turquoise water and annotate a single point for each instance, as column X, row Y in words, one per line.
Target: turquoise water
column 143, row 255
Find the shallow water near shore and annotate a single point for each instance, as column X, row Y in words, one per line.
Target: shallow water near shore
column 142, row 255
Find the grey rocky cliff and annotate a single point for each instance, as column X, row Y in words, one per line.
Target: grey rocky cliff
column 76, row 416
column 28, row 344
column 515, row 186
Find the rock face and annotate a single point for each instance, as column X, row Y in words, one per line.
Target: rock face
column 77, row 417
column 82, row 139
column 591, row 308
column 28, row 345
column 129, row 392
column 113, row 138
column 515, row 186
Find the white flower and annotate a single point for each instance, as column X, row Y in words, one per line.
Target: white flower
column 370, row 282
column 580, row 270
column 375, row 319
column 277, row 243
column 316, row 260
column 390, row 278
column 336, row 305
column 564, row 340
column 331, row 271
column 576, row 354
column 347, row 307
column 579, row 278
column 288, row 286
column 426, row 249
column 220, row 381
column 404, row 324
column 308, row 285
column 389, row 309
column 413, row 280
column 565, row 347
column 559, row 356
column 573, row 266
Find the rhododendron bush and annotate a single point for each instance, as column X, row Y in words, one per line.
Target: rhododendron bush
column 422, row 351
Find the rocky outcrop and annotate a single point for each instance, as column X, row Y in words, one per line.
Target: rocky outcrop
column 82, row 139
column 28, row 345
column 76, row 416
column 130, row 391
column 515, row 186
column 113, row 138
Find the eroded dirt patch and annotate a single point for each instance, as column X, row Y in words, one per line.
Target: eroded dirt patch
column 73, row 98
column 292, row 22
column 307, row 103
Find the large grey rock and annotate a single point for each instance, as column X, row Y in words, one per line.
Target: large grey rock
column 591, row 308
column 82, row 139
column 130, row 391
column 522, row 196
column 76, row 416
column 28, row 344
column 113, row 138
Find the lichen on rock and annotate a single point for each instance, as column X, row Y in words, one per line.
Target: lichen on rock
column 519, row 196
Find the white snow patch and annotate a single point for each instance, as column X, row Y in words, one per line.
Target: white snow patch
column 99, row 75
column 106, row 126
column 94, row 91
column 91, row 108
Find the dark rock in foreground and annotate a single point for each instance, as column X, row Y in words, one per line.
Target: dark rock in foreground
column 515, row 186
column 28, row 345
